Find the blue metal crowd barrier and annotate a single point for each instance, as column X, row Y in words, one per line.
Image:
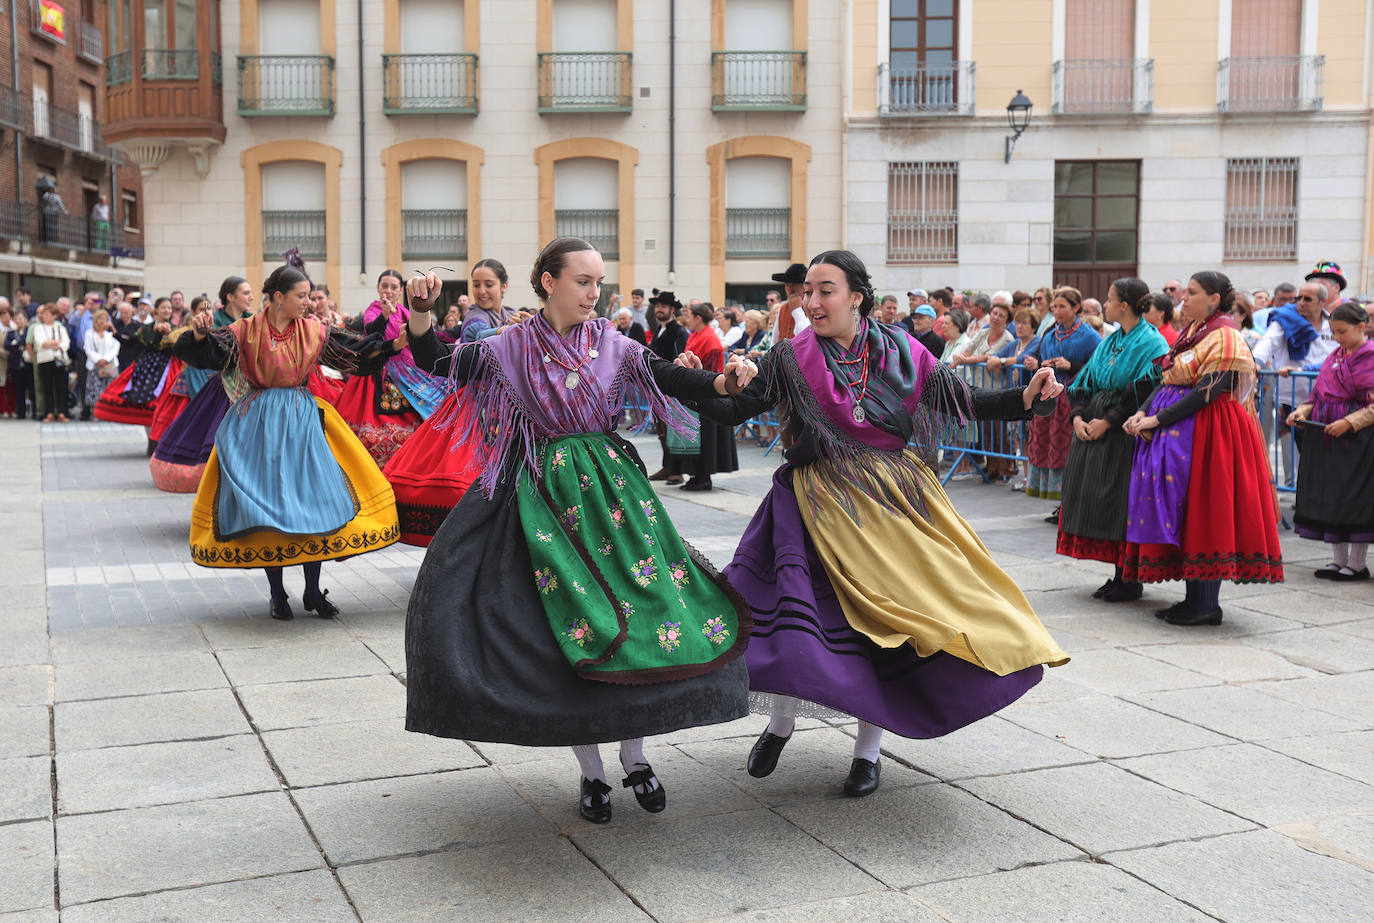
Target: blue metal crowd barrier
column 1277, row 395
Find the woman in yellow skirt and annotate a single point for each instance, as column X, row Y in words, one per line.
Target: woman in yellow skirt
column 287, row 482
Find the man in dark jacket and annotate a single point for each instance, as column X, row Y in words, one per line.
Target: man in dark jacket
column 668, row 344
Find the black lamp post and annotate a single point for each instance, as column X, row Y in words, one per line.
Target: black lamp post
column 1018, row 117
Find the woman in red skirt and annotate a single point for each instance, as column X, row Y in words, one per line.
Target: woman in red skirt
column 1201, row 505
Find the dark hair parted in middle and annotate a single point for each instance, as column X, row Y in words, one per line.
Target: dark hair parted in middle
column 705, row 311
column 283, row 280
column 552, row 259
column 229, row 286
column 1132, row 291
column 855, row 273
column 1216, row 283
column 497, row 269
column 1350, row 313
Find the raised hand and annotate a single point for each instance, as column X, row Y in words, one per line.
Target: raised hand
column 424, row 291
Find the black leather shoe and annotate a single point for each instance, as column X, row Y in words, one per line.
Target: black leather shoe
column 697, row 484
column 1177, row 609
column 1340, row 576
column 652, row 801
column 281, row 609
column 1053, row 518
column 1104, row 588
column 763, row 757
column 1124, row 592
column 660, row 475
column 594, row 803
column 1196, row 618
column 321, row 606
column 1326, row 572
column 863, row 778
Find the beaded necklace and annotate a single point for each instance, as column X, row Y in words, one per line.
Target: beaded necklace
column 862, row 361
column 573, row 378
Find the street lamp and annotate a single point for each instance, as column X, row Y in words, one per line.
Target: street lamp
column 1018, row 117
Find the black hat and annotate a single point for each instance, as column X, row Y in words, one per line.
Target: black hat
column 1327, row 270
column 667, row 298
column 795, row 275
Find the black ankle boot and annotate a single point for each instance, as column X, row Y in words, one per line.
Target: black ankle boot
column 320, row 605
column 280, row 609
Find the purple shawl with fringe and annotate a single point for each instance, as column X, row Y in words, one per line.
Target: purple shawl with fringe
column 1345, row 382
column 519, row 399
column 394, row 323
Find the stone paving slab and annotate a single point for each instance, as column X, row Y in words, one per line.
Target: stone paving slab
column 1227, row 662
column 355, row 752
column 24, row 732
column 25, row 789
column 26, row 866
column 282, row 664
column 1111, row 728
column 148, row 719
column 1244, row 712
column 106, row 679
column 1350, row 755
column 326, row 701
column 993, row 746
column 301, row 897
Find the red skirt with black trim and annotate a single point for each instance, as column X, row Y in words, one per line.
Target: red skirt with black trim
column 429, row 474
column 113, row 408
column 382, row 434
column 1230, row 526
column 169, row 407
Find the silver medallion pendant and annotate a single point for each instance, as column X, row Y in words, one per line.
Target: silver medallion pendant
column 572, row 380
column 548, row 358
column 593, row 354
column 859, row 415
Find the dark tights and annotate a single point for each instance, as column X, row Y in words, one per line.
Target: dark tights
column 1203, row 595
column 312, row 580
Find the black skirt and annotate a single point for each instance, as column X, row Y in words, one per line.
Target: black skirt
column 718, row 452
column 482, row 663
column 1335, row 501
column 1097, row 480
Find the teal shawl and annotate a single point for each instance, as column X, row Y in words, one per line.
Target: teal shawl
column 1122, row 359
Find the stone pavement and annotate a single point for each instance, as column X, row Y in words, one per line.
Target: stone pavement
column 167, row 752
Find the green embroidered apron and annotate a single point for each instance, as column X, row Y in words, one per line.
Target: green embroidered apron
column 625, row 601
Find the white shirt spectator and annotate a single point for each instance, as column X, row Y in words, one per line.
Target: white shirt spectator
column 101, row 346
column 1271, row 354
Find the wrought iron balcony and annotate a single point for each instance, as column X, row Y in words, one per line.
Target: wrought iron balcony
column 584, row 81
column 19, row 221
column 12, row 220
column 119, row 68
column 758, row 232
column 429, row 83
column 758, row 80
column 598, row 226
column 216, row 69
column 1106, row 85
column 170, row 64
column 926, row 89
column 1283, row 83
column 434, row 233
column 14, row 110
column 90, row 43
column 72, row 130
column 290, row 84
column 282, row 230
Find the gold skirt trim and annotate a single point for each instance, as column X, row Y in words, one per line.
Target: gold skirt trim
column 374, row 526
column 902, row 577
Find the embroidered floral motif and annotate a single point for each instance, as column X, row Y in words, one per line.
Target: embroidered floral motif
column 546, row 580
column 543, row 536
column 715, row 630
column 580, row 633
column 648, row 507
column 619, row 480
column 617, row 514
column 612, row 454
column 670, row 636
column 678, row 571
column 585, row 481
column 605, row 547
column 645, row 572
column 572, row 517
column 649, row 539
column 579, row 588
column 627, row 610
column 560, row 458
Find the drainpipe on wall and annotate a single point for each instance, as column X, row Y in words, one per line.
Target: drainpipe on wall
column 362, row 159
column 14, row 82
column 672, row 141
column 846, row 104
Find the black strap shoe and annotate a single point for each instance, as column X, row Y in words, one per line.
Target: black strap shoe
column 321, row 606
column 1191, row 617
column 594, row 803
column 280, row 609
column 863, row 778
column 654, row 799
column 763, row 757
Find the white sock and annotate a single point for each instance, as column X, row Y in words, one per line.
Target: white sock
column 869, row 742
column 1340, row 553
column 632, row 760
column 589, row 758
column 1355, row 558
column 784, row 716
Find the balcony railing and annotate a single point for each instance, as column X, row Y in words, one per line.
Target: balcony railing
column 119, row 68
column 292, row 84
column 598, row 226
column 434, row 233
column 282, row 230
column 1285, row 83
column 12, row 224
column 1104, row 86
column 90, row 43
column 758, row 80
column 216, row 69
column 429, row 83
column 584, row 81
column 171, row 64
column 71, row 130
column 758, row 232
column 926, row 89
column 14, row 112
column 20, row 221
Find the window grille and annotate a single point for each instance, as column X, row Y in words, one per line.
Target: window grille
column 923, row 212
column 1261, row 209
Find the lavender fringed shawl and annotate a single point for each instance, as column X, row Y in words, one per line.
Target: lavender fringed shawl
column 518, row 399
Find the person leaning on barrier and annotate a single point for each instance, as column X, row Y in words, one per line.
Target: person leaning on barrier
column 992, row 434
column 1335, row 499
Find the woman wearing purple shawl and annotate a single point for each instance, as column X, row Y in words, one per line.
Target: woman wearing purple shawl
column 870, row 595
column 1335, row 502
column 557, row 604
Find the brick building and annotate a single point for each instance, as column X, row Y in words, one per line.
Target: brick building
column 52, row 107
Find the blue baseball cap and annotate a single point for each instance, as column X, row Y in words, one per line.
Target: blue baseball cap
column 924, row 310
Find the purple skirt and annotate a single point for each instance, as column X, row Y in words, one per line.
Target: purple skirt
column 803, row 646
column 191, row 436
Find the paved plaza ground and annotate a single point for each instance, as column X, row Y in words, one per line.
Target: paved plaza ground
column 167, row 752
